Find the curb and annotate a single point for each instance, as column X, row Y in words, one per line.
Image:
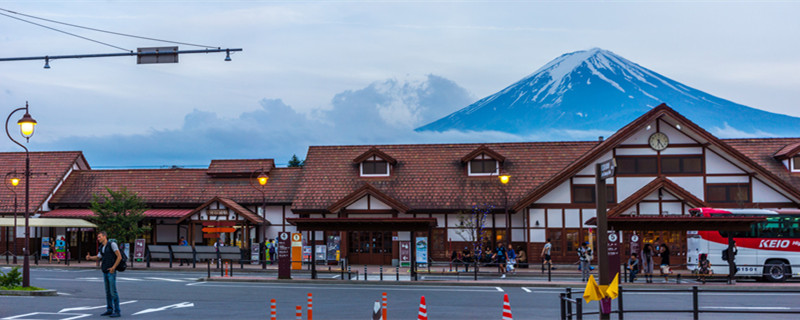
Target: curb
column 35, row 293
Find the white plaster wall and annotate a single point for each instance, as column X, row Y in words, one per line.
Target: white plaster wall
column 666, row 195
column 672, row 208
column 583, row 180
column 537, row 215
column 453, row 219
column 499, row 221
column 291, row 228
column 692, row 184
column 439, row 220
column 516, row 220
column 675, row 135
column 290, row 214
column 167, row 233
column 588, row 214
column 360, row 204
column 560, row 194
column 693, row 150
column 647, row 208
column 590, row 168
column 554, row 218
column 517, row 235
column 376, row 204
column 728, row 179
column 198, row 234
column 626, row 186
column 635, row 152
column 272, row 232
column 641, row 136
column 538, row 235
column 275, row 214
column 763, row 193
column 716, row 164
column 403, row 236
column 369, row 215
column 572, row 218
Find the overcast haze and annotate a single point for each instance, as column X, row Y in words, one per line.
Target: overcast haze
column 352, row 72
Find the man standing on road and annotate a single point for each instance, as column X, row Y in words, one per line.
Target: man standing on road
column 110, row 258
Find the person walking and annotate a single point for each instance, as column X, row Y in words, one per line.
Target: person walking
column 647, row 262
column 546, row 260
column 511, row 260
column 53, row 253
column 110, row 258
column 501, row 256
column 585, row 256
column 665, row 270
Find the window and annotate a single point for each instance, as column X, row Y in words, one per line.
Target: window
column 728, row 193
column 637, row 165
column 375, row 166
column 586, row 194
column 682, row 164
column 796, row 163
column 773, row 227
column 483, row 165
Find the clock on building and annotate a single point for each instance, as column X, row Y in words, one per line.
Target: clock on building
column 658, row 141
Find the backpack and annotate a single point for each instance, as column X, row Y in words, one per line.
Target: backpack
column 124, row 263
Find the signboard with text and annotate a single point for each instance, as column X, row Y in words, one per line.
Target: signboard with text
column 284, row 255
column 422, row 250
column 138, row 250
column 607, row 169
column 613, row 253
column 405, row 253
column 297, row 251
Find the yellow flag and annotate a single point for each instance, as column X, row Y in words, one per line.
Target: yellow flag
column 592, row 291
column 613, row 289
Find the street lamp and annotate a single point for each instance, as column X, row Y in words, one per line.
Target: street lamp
column 26, row 125
column 10, row 183
column 504, row 179
column 262, row 180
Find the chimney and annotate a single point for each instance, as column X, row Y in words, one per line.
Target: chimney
column 600, row 139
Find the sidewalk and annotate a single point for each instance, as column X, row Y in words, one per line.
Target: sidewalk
column 562, row 276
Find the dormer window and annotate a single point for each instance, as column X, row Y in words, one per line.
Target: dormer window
column 483, row 165
column 374, row 167
column 796, row 163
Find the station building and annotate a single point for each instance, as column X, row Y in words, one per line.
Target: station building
column 364, row 199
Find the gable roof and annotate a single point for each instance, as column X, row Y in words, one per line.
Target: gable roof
column 431, row 177
column 367, row 189
column 48, row 170
column 374, row 151
column 230, row 204
column 242, row 168
column 175, row 188
column 483, row 149
column 790, row 150
column 625, row 132
column 762, row 151
column 653, row 186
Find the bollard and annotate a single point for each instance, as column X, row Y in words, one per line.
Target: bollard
column 226, row 268
column 348, row 272
column 383, row 306
column 397, row 272
column 273, row 310
column 310, row 304
column 365, row 272
column 299, row 313
column 679, row 278
column 209, row 268
column 381, row 272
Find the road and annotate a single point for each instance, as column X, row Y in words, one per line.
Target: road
column 177, row 295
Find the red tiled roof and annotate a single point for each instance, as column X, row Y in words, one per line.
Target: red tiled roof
column 656, row 184
column 762, row 150
column 48, row 170
column 375, row 152
column 230, row 204
column 430, row 177
column 790, row 150
column 239, row 168
column 483, row 149
column 86, row 213
column 186, row 188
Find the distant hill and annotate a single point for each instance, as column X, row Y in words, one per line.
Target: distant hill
column 599, row 90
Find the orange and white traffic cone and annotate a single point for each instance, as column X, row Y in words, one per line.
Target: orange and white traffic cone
column 423, row 309
column 225, row 267
column 273, row 310
column 507, row 308
column 383, row 306
column 299, row 313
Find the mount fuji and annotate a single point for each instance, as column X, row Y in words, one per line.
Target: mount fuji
column 598, row 91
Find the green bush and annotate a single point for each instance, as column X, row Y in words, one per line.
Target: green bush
column 10, row 279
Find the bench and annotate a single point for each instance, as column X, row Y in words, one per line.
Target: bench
column 232, row 254
column 182, row 252
column 159, row 252
column 205, row 253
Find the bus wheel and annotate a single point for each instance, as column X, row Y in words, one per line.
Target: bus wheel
column 776, row 271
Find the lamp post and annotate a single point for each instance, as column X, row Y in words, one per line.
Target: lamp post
column 262, row 178
column 26, row 125
column 504, row 179
column 10, row 183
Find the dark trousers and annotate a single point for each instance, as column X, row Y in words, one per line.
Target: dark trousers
column 112, row 298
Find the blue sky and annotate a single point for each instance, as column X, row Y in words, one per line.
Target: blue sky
column 355, row 72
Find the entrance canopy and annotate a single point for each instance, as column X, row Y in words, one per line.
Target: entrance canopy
column 679, row 223
column 47, row 222
column 363, row 224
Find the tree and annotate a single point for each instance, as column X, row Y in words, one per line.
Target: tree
column 119, row 214
column 295, row 162
column 472, row 227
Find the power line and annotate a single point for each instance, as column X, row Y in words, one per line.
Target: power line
column 54, row 29
column 99, row 30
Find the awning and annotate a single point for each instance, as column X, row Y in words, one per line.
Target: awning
column 87, row 213
column 47, row 222
column 657, row 223
column 363, row 224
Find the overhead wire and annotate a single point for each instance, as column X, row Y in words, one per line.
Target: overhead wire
column 97, row 30
column 62, row 31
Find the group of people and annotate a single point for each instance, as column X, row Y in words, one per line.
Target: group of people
column 646, row 265
column 504, row 256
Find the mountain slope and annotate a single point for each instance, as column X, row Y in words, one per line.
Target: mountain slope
column 599, row 90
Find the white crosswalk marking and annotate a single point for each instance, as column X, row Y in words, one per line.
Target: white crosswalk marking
column 166, row 279
column 528, row 290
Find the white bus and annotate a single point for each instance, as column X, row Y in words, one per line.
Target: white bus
column 770, row 250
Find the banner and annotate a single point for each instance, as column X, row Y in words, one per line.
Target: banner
column 284, row 255
column 61, row 247
column 422, row 250
column 333, row 247
column 45, row 247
